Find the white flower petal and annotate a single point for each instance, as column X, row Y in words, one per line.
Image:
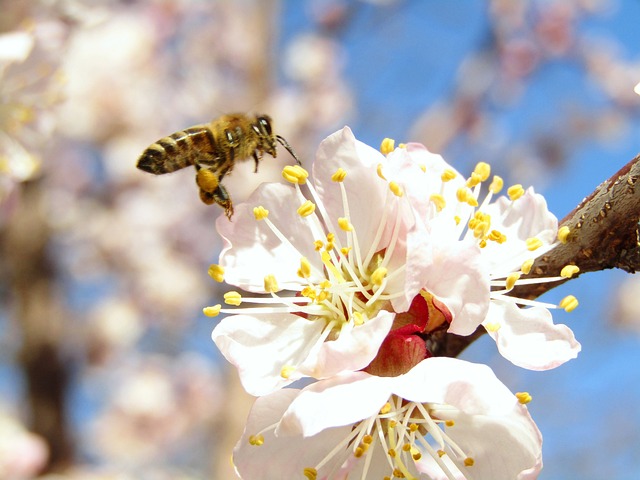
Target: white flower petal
column 279, row 457
column 353, row 350
column 528, row 337
column 253, row 251
column 339, row 401
column 472, row 388
column 261, row 347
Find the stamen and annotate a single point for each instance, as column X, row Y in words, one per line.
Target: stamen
column 216, row 272
column 378, row 276
column 511, row 280
column 310, row 473
column 305, row 268
column 387, row 146
column 307, row 208
column 233, row 298
column 439, row 201
column 256, row 440
column 344, row 224
column 496, row 184
column 515, row 192
column 563, row 234
column 483, row 170
column 379, row 172
column 527, row 266
column 212, row 311
column 448, row 175
column 286, row 371
column 569, row 271
column 260, row 213
column 339, row 175
column 533, row 243
column 523, row 397
column 295, row 174
column 396, row 189
column 568, row 303
column 271, row 284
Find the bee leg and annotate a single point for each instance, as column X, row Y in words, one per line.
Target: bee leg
column 223, row 199
column 256, row 158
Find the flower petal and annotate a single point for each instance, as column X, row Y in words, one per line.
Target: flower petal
column 352, row 350
column 339, row 401
column 528, row 338
column 253, row 251
column 280, row 456
column 261, row 347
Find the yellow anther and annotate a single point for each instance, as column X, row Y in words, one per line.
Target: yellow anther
column 468, row 462
column 345, row 251
column 515, row 191
column 512, row 278
column 563, row 234
column 339, row 175
column 233, row 298
column 457, row 219
column 396, row 189
column 416, row 454
column 306, row 209
column 329, row 246
column 358, row 319
column 305, row 268
column 402, row 145
column 378, row 276
column 326, row 259
column 386, row 408
column 569, row 271
column 322, row 296
column 413, row 427
column 497, row 236
column 270, row 284
column 448, row 175
column 295, row 174
column 310, row 473
column 317, row 245
column 392, row 453
column 439, row 201
column 367, row 439
column 526, row 266
column 379, row 171
column 473, row 180
column 331, row 237
column 260, row 213
column 387, row 146
column 344, row 224
column 483, row 170
column 256, row 440
column 464, row 195
column 496, row 184
column 523, row 397
column 216, row 272
column 286, row 371
column 308, row 292
column 212, row 311
column 358, row 452
column 449, row 423
column 325, row 284
column 492, row 326
column 423, row 167
column 407, row 446
column 533, row 243
column 568, row 303
column 441, row 453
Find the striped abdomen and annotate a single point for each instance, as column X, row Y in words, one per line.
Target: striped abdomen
column 179, row 150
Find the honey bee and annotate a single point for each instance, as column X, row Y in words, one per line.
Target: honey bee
column 213, row 149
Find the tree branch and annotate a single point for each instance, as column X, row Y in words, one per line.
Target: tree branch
column 604, row 234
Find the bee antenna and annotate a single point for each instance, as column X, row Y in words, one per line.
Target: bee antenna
column 286, row 145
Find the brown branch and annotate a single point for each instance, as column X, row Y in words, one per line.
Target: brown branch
column 36, row 308
column 604, row 234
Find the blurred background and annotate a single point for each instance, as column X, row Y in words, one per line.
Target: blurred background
column 107, row 369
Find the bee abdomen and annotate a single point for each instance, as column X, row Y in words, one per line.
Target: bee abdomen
column 177, row 151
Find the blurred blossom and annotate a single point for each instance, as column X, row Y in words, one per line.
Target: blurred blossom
column 160, row 413
column 626, row 308
column 29, row 86
column 22, row 453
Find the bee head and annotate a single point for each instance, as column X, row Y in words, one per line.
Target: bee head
column 267, row 139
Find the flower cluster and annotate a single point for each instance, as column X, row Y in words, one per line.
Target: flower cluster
column 353, row 275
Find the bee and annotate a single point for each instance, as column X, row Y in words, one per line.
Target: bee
column 213, row 149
